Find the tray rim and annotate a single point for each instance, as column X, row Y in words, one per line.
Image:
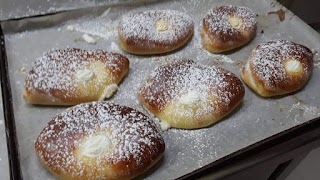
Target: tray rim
column 10, row 127
column 12, row 141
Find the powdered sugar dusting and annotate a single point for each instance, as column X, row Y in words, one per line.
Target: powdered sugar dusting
column 170, row 82
column 57, row 69
column 142, row 27
column 133, row 137
column 268, row 61
column 300, row 109
column 217, row 19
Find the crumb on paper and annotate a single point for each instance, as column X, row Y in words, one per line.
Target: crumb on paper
column 281, row 108
column 89, row 39
column 297, row 100
column 316, row 63
column 239, row 63
column 281, row 14
column 314, row 52
column 22, row 70
column 106, row 12
column 217, row 62
column 226, row 59
column 70, row 28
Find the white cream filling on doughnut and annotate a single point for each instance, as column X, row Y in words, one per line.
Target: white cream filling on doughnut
column 95, row 146
column 162, row 25
column 235, row 22
column 108, row 91
column 191, row 98
column 293, row 66
column 85, row 75
column 164, row 125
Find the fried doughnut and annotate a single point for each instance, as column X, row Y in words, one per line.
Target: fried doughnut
column 154, row 31
column 227, row 28
column 189, row 95
column 99, row 140
column 278, row 67
column 72, row 76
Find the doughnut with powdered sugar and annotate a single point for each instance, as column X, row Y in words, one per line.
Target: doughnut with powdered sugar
column 154, row 31
column 278, row 67
column 228, row 27
column 99, row 140
column 72, row 76
column 189, row 95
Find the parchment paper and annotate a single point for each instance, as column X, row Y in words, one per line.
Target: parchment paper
column 186, row 150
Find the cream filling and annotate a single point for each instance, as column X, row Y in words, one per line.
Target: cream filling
column 85, row 75
column 235, row 22
column 108, row 91
column 293, row 66
column 190, row 99
column 164, row 126
column 162, row 25
column 95, row 146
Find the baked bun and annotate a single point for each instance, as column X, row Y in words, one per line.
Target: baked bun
column 99, row 140
column 278, row 67
column 227, row 28
column 73, row 76
column 188, row 95
column 154, row 31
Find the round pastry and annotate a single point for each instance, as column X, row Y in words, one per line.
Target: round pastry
column 227, row 28
column 72, row 76
column 278, row 67
column 188, row 95
column 154, row 32
column 99, row 140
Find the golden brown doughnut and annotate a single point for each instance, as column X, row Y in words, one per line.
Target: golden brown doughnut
column 72, row 76
column 189, row 95
column 99, row 140
column 228, row 27
column 278, row 67
column 154, row 31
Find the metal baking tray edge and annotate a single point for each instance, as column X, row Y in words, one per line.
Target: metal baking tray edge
column 12, row 143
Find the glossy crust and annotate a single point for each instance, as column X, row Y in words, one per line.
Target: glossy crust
column 188, row 95
column 266, row 74
column 128, row 143
column 138, row 32
column 219, row 35
column 72, row 76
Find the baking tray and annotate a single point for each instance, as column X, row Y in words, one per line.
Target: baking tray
column 188, row 152
column 4, row 164
column 17, row 9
